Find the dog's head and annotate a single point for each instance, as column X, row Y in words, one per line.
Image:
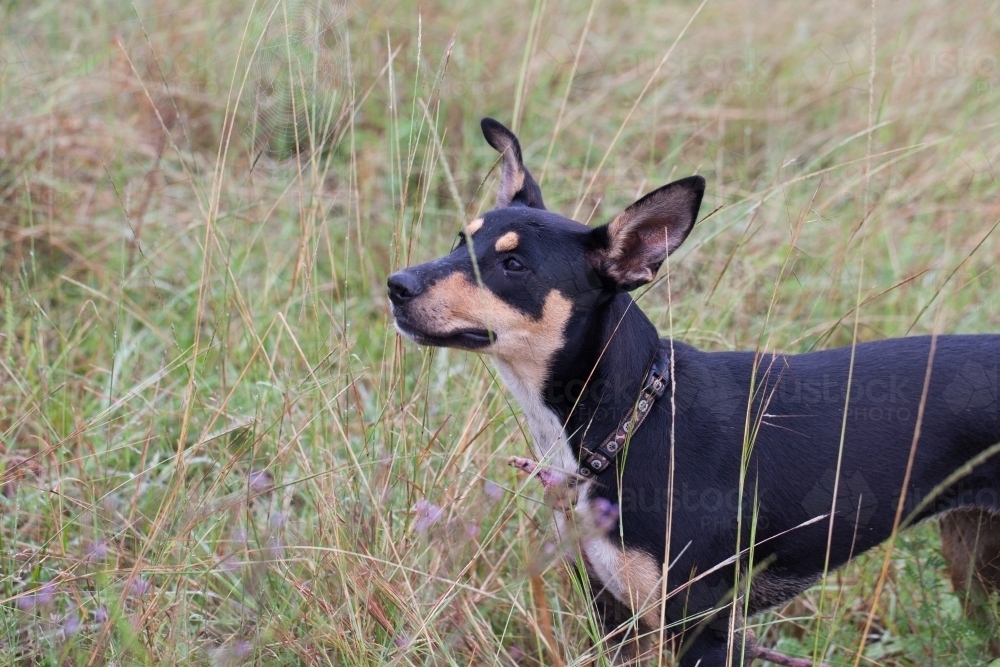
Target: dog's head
column 520, row 274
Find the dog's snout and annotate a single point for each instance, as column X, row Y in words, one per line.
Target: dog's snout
column 403, row 286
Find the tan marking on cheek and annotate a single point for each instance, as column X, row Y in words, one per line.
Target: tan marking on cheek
column 473, row 226
column 527, row 345
column 524, row 344
column 507, row 242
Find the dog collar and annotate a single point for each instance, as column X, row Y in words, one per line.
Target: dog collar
column 601, row 458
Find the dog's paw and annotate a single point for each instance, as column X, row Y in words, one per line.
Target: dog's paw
column 548, row 478
column 521, row 463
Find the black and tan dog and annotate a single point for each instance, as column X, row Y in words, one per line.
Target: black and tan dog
column 750, row 474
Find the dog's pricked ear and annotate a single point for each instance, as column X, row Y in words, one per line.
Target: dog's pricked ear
column 517, row 187
column 631, row 248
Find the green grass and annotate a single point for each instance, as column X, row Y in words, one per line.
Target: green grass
column 214, row 449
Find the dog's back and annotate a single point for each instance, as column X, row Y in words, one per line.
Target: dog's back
column 781, row 418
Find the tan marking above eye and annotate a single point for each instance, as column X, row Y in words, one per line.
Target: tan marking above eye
column 473, row 226
column 507, row 242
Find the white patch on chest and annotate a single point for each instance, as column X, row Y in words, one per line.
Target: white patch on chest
column 629, row 575
column 552, row 448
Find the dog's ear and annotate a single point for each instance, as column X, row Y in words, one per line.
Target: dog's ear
column 629, row 250
column 517, row 187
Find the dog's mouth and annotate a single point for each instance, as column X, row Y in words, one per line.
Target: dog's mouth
column 465, row 339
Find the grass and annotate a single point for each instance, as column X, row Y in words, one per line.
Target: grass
column 213, row 447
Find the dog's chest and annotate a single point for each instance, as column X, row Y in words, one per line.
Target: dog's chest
column 552, row 448
column 628, row 575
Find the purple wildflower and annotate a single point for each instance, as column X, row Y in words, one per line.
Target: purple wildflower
column 101, row 615
column 70, row 625
column 139, row 587
column 46, row 593
column 275, row 547
column 605, row 514
column 40, row 597
column 242, row 649
column 233, row 653
column 493, row 491
column 261, row 481
column 96, row 551
column 401, row 640
column 471, row 529
column 427, row 515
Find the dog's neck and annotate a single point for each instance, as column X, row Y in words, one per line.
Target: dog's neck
column 597, row 384
column 593, row 382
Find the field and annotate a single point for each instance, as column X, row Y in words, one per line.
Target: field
column 215, row 449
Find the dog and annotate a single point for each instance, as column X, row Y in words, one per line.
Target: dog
column 749, row 474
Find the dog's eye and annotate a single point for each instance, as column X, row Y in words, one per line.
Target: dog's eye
column 513, row 264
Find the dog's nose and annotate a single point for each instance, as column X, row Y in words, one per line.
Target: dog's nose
column 403, row 286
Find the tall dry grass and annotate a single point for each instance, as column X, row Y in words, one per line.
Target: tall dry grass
column 213, row 447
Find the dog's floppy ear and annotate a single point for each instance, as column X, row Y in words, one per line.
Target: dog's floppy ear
column 517, row 187
column 630, row 249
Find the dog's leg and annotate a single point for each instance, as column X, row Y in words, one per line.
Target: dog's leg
column 558, row 492
column 970, row 540
column 625, row 639
column 711, row 645
column 548, row 478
